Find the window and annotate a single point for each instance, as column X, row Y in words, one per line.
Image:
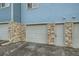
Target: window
column 3, row 5
column 32, row 5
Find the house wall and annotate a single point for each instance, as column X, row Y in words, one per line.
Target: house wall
column 49, row 12
column 5, row 14
column 45, row 13
column 39, row 34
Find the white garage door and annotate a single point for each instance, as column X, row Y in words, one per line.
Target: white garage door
column 37, row 33
column 4, row 32
column 76, row 36
column 59, row 41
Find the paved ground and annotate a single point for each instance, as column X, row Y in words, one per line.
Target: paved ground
column 34, row 49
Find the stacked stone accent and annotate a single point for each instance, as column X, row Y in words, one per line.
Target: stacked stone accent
column 68, row 33
column 17, row 32
column 51, row 34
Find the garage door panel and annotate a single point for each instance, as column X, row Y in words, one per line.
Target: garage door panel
column 4, row 35
column 59, row 40
column 37, row 34
column 75, row 40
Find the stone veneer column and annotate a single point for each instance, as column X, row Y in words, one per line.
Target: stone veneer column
column 17, row 32
column 68, row 27
column 51, row 34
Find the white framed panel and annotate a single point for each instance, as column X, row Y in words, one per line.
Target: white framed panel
column 59, row 30
column 75, row 39
column 37, row 34
column 4, row 35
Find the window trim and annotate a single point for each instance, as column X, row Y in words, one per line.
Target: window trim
column 32, row 7
column 6, row 5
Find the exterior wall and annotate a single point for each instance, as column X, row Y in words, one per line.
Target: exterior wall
column 45, row 13
column 49, row 12
column 5, row 14
column 17, row 12
column 39, row 34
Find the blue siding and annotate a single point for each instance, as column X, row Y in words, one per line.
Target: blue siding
column 5, row 14
column 45, row 13
column 17, row 12
column 49, row 12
